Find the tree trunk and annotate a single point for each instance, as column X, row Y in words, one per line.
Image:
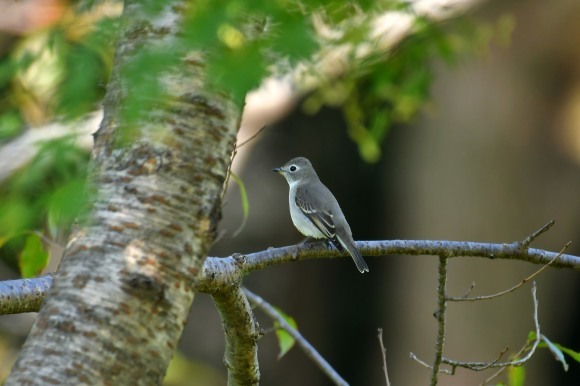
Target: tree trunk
column 122, row 293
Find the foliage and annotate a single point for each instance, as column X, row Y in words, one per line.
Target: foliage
column 285, row 340
column 33, row 257
column 48, row 194
column 59, row 73
column 516, row 375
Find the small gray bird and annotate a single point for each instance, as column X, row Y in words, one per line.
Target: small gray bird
column 314, row 210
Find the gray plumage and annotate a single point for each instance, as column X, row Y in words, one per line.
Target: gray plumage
column 314, row 210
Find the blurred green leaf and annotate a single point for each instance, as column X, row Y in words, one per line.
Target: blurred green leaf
column 238, row 71
column 516, row 376
column 78, row 94
column 8, row 68
column 285, row 340
column 292, row 37
column 10, row 125
column 33, row 258
column 183, row 371
column 66, row 203
column 46, row 193
column 573, row 354
column 15, row 215
column 505, row 26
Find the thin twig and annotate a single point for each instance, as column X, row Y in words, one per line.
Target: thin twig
column 252, row 137
column 471, row 287
column 383, row 355
column 427, row 365
column 479, row 366
column 528, row 240
column 440, row 316
column 308, row 349
column 512, row 289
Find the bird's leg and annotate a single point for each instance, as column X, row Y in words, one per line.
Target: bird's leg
column 308, row 240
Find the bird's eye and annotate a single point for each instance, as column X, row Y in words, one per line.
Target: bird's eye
column 293, row 168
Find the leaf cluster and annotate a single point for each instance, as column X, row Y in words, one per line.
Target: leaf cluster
column 60, row 73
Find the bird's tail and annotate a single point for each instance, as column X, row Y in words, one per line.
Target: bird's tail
column 355, row 254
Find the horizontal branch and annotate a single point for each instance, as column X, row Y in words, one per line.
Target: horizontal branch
column 24, row 295
column 220, row 272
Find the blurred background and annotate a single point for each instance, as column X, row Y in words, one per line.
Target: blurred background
column 492, row 156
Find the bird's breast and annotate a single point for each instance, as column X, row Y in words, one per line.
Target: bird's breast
column 302, row 223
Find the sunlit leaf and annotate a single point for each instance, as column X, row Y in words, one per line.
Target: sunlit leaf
column 33, row 258
column 516, row 376
column 285, row 340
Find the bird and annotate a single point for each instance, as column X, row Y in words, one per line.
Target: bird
column 315, row 211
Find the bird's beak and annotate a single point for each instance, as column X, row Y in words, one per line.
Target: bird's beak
column 278, row 170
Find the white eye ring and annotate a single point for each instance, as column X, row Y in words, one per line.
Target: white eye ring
column 293, row 168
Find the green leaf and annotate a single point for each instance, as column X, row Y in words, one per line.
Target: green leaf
column 245, row 202
column 285, row 340
column 15, row 215
column 10, row 125
column 516, row 376
column 237, row 71
column 5, row 238
column 33, row 258
column 573, row 354
column 67, row 202
column 293, row 37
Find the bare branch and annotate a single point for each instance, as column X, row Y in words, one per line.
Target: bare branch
column 308, row 349
column 512, row 289
column 242, row 334
column 252, row 137
column 24, row 295
column 440, row 316
column 427, row 365
column 528, row 240
column 480, row 366
column 220, row 272
column 383, row 355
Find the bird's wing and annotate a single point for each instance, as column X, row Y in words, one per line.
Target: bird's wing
column 322, row 219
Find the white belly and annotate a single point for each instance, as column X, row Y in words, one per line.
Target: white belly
column 302, row 223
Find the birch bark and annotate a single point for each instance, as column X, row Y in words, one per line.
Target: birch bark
column 121, row 295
